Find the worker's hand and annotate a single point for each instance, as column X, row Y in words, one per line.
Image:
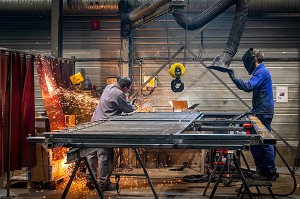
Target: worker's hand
column 231, row 74
column 133, row 101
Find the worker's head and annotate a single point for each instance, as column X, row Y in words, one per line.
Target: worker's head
column 252, row 58
column 125, row 83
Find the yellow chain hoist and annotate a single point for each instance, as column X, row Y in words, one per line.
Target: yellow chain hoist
column 177, row 70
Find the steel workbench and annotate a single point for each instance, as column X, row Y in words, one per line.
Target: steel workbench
column 174, row 130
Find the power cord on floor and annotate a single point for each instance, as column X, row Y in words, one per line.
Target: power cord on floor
column 292, row 174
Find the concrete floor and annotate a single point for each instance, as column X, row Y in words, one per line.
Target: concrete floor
column 168, row 184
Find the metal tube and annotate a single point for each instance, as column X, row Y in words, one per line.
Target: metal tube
column 146, row 9
column 145, row 172
column 130, row 55
column 9, row 125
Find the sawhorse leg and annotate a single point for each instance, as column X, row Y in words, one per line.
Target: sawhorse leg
column 146, row 173
column 73, row 176
column 248, row 168
column 238, row 168
column 213, row 173
column 221, row 173
column 245, row 161
column 219, row 179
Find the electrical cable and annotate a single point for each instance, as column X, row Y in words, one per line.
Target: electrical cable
column 185, row 36
column 168, row 41
column 292, row 174
column 285, row 163
column 120, row 57
column 195, row 178
column 296, row 162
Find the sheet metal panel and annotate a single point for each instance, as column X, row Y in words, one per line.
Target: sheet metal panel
column 135, row 124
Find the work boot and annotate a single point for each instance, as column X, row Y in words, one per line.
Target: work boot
column 110, row 186
column 271, row 177
column 90, row 184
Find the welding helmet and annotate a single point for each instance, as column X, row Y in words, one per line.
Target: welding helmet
column 250, row 57
column 249, row 60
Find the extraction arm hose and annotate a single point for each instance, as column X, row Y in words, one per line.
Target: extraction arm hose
column 212, row 12
column 205, row 17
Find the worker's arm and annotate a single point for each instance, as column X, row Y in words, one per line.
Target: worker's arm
column 254, row 82
column 124, row 106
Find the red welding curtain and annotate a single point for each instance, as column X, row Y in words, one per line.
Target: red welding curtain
column 22, row 110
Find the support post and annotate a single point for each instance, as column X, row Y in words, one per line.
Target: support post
column 9, row 128
column 56, row 28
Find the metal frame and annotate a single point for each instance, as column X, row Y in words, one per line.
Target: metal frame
column 184, row 130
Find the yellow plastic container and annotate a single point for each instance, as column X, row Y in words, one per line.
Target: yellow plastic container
column 70, row 120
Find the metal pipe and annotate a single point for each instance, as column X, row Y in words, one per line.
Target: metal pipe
column 9, row 124
column 146, row 9
column 56, row 28
column 130, row 55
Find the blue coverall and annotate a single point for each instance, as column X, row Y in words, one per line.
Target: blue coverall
column 263, row 107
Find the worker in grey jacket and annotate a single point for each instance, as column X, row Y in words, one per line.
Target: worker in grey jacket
column 112, row 102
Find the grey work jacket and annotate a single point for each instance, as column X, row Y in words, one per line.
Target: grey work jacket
column 112, row 102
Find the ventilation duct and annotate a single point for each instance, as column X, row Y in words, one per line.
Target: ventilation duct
column 142, row 12
column 146, row 9
column 205, row 17
column 110, row 7
column 211, row 13
column 91, row 7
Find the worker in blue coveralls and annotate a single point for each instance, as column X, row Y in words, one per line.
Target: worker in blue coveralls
column 112, row 102
column 262, row 106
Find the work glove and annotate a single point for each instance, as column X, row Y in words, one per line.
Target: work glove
column 133, row 101
column 231, row 74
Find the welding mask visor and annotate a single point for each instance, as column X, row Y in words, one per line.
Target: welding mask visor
column 249, row 60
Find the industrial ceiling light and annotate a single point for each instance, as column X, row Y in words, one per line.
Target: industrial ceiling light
column 93, row 5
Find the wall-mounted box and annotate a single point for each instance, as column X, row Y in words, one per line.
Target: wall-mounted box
column 111, row 80
column 152, row 83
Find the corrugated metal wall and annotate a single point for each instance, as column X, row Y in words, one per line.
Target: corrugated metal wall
column 277, row 35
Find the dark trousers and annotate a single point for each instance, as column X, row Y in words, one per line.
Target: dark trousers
column 101, row 162
column 264, row 155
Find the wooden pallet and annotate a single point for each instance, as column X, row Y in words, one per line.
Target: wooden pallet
column 15, row 183
column 44, row 185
